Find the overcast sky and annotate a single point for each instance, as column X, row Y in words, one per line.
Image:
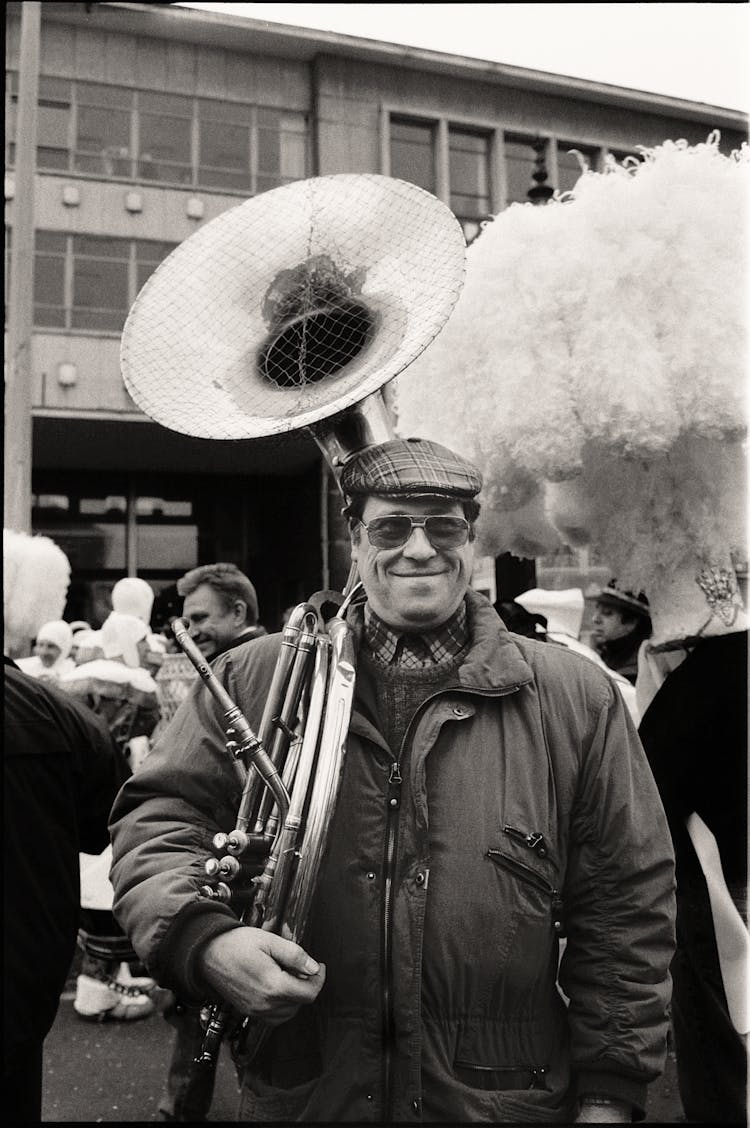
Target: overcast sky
column 696, row 51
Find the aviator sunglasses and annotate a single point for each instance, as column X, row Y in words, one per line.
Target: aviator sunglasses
column 394, row 529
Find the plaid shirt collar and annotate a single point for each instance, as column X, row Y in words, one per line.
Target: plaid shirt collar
column 445, row 642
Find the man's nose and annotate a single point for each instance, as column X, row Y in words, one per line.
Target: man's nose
column 418, row 545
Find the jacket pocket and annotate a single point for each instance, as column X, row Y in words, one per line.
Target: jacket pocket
column 498, row 1078
column 528, row 871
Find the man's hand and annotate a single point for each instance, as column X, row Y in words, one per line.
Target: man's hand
column 261, row 974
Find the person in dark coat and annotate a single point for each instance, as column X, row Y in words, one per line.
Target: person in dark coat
column 486, row 807
column 61, row 773
column 694, row 732
column 221, row 607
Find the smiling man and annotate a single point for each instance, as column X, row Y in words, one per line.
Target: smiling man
column 221, row 607
column 494, row 798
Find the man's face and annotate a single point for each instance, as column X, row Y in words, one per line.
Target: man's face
column 47, row 651
column 212, row 625
column 607, row 624
column 415, row 587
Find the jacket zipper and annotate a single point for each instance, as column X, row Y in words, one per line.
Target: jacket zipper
column 393, row 800
column 526, row 873
column 394, row 792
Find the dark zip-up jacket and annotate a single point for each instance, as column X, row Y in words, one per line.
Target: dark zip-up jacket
column 520, row 809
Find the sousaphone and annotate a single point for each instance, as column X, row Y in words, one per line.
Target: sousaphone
column 293, row 310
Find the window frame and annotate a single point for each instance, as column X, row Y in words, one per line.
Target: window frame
column 134, row 284
column 259, row 179
column 496, row 130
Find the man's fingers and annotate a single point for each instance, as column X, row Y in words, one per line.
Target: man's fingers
column 290, row 956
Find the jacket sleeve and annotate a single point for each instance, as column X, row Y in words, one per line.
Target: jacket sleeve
column 162, row 826
column 619, row 895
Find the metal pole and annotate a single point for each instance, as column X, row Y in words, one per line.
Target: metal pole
column 18, row 387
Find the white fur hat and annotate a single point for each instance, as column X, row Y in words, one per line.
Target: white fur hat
column 59, row 633
column 120, row 635
column 36, row 576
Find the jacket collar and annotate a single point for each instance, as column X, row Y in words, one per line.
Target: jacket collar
column 493, row 663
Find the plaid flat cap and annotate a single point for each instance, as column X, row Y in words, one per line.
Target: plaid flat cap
column 410, row 466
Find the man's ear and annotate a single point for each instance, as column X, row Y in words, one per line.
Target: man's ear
column 354, row 537
column 240, row 610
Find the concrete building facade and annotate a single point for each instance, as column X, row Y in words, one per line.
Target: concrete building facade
column 152, row 120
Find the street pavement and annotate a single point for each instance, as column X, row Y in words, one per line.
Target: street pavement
column 114, row 1072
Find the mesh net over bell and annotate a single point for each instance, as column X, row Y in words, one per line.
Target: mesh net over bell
column 293, row 306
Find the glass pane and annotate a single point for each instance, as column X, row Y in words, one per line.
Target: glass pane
column 150, row 250
column 519, row 163
column 97, row 246
column 49, row 280
column 89, row 545
column 112, row 161
column 164, row 172
column 224, row 146
column 467, row 159
column 164, row 138
column 177, row 104
column 412, row 154
column 51, row 158
column 103, row 130
column 49, row 317
column 49, row 241
column 293, row 156
column 228, row 112
column 569, row 165
column 93, row 94
column 221, row 178
column 269, row 145
column 168, row 546
column 476, row 207
column 103, row 320
column 52, row 125
column 99, row 285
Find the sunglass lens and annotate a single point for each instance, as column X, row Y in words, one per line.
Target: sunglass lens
column 389, row 532
column 446, row 532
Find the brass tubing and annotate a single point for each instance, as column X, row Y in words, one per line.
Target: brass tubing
column 288, row 843
column 249, row 745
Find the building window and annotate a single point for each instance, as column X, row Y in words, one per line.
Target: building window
column 100, row 283
column 89, row 282
column 413, row 152
column 519, row 166
column 164, row 138
column 142, row 136
column 49, row 280
column 468, row 165
column 103, row 125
